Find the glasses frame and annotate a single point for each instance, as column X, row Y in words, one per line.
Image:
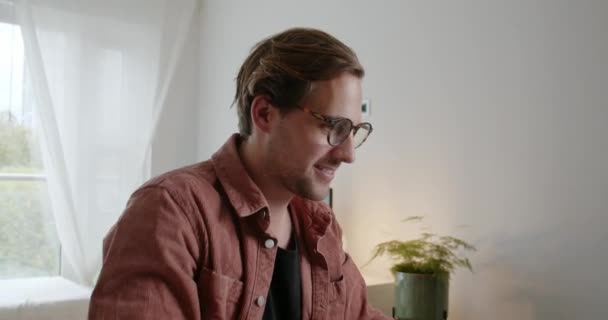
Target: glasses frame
column 332, row 121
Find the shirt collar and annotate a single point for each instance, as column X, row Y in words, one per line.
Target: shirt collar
column 242, row 192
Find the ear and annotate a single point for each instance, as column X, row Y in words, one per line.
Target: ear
column 263, row 114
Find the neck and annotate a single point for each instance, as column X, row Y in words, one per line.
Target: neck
column 276, row 195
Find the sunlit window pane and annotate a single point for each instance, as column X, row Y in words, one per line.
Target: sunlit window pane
column 28, row 239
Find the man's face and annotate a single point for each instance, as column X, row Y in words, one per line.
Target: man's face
column 299, row 155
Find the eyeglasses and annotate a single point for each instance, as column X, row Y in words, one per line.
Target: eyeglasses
column 341, row 128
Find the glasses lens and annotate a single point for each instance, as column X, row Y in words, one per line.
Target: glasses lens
column 362, row 133
column 340, row 132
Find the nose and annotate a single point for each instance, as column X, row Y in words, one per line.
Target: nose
column 345, row 152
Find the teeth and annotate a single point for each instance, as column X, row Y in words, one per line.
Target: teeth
column 327, row 171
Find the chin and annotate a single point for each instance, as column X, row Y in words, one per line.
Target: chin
column 315, row 191
column 318, row 196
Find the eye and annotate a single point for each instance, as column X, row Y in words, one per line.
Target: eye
column 325, row 126
column 329, row 123
column 342, row 128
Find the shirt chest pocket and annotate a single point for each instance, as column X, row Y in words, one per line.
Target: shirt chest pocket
column 219, row 295
column 337, row 299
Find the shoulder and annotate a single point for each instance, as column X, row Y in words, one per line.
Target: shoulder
column 196, row 175
column 184, row 185
column 186, row 194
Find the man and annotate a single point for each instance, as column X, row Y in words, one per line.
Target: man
column 245, row 234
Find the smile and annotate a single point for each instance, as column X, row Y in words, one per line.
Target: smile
column 327, row 173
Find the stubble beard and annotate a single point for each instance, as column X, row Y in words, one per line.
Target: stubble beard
column 299, row 181
column 305, row 187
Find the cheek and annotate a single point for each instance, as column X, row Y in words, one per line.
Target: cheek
column 305, row 155
column 302, row 148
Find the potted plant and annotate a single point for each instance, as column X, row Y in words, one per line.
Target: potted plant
column 422, row 271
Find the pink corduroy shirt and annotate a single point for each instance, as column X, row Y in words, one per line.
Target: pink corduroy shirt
column 192, row 244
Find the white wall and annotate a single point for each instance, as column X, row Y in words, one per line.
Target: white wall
column 491, row 114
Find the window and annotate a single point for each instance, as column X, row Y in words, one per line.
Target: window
column 28, row 240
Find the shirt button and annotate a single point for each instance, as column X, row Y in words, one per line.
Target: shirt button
column 260, row 301
column 269, row 243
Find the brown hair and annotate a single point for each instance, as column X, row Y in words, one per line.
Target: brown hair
column 282, row 67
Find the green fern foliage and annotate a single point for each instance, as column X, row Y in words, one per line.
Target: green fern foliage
column 428, row 254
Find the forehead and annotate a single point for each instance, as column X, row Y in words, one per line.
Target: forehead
column 338, row 97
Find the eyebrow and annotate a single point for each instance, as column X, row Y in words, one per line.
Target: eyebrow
column 328, row 120
column 332, row 118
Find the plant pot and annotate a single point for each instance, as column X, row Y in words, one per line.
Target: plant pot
column 421, row 296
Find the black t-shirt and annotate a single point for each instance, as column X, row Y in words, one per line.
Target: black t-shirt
column 283, row 300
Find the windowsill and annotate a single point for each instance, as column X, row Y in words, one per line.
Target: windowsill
column 32, row 298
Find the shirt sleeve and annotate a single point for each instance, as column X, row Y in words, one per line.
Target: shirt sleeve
column 149, row 262
column 357, row 306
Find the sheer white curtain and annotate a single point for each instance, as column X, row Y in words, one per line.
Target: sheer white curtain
column 100, row 72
